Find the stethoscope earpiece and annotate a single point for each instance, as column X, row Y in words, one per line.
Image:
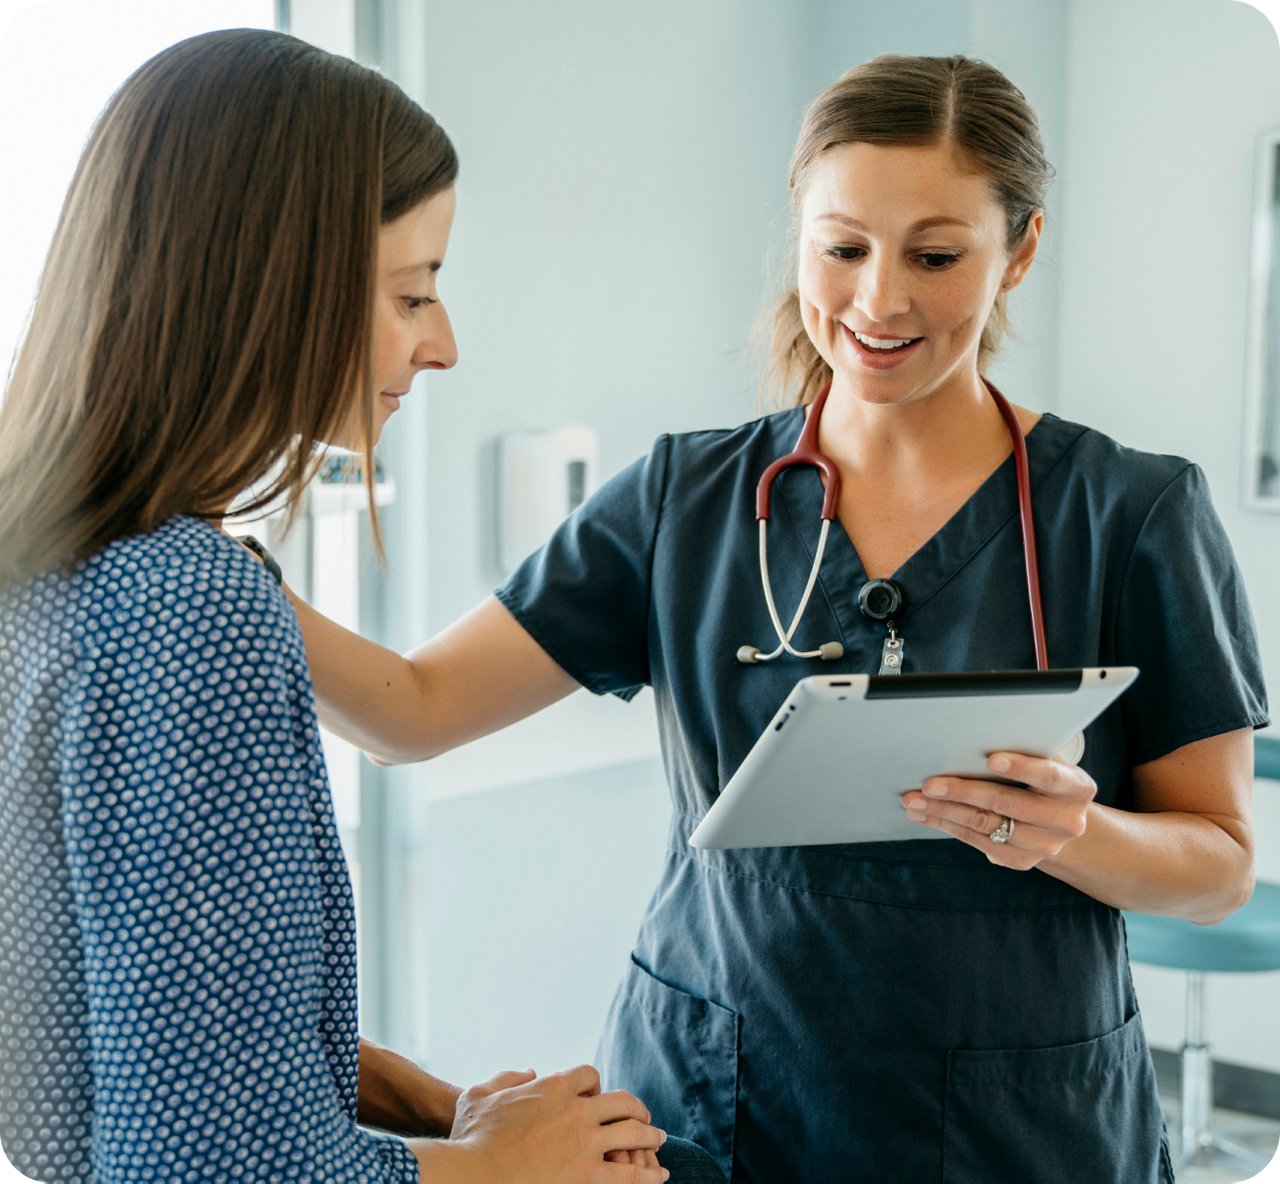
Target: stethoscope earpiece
column 749, row 655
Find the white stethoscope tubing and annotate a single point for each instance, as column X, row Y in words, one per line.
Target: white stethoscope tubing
column 785, row 638
column 806, row 452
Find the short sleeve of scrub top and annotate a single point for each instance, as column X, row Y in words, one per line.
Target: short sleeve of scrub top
column 1181, row 582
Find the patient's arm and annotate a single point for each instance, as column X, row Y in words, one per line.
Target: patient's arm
column 397, row 1096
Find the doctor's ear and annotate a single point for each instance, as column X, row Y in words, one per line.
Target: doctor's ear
column 1023, row 254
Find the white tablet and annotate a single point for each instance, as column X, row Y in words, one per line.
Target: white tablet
column 833, row 764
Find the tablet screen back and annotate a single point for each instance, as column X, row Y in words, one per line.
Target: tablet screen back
column 832, row 765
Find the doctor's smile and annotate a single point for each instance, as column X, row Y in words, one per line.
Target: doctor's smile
column 882, row 353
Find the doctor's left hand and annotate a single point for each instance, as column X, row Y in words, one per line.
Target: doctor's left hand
column 1046, row 812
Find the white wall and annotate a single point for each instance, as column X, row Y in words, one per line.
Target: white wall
column 537, row 891
column 1163, row 101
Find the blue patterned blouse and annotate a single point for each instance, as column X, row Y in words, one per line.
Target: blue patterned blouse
column 177, row 934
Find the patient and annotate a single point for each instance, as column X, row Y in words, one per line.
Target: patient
column 245, row 266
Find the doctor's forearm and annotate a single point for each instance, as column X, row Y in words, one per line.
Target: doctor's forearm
column 365, row 693
column 480, row 674
column 1170, row 863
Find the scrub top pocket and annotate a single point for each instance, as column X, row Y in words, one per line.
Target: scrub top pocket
column 662, row 1043
column 1084, row 1111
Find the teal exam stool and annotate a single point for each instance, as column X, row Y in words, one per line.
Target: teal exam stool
column 1248, row 940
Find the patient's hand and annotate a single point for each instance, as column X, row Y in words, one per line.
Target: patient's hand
column 558, row 1129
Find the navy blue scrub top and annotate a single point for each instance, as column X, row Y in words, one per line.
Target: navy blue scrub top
column 891, row 1011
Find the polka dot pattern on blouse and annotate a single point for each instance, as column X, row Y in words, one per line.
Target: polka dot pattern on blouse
column 177, row 963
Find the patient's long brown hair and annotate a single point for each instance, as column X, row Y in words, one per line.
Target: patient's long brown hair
column 204, row 315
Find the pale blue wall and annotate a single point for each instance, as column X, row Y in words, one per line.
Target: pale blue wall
column 536, row 892
column 623, row 174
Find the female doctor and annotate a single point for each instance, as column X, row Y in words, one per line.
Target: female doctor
column 956, row 1011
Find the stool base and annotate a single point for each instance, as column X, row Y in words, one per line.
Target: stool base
column 1212, row 1151
column 1200, row 1145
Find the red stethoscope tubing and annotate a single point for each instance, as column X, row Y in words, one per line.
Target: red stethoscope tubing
column 1027, row 520
column 807, row 452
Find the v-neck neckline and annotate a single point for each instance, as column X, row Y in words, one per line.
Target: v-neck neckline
column 940, row 557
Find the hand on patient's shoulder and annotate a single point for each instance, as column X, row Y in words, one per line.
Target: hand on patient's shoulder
column 557, row 1129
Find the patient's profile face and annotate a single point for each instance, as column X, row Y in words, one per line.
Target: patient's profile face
column 411, row 330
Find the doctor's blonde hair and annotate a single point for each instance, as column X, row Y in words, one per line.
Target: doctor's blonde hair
column 205, row 312
column 896, row 99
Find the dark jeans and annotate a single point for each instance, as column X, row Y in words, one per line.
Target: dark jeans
column 688, row 1163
